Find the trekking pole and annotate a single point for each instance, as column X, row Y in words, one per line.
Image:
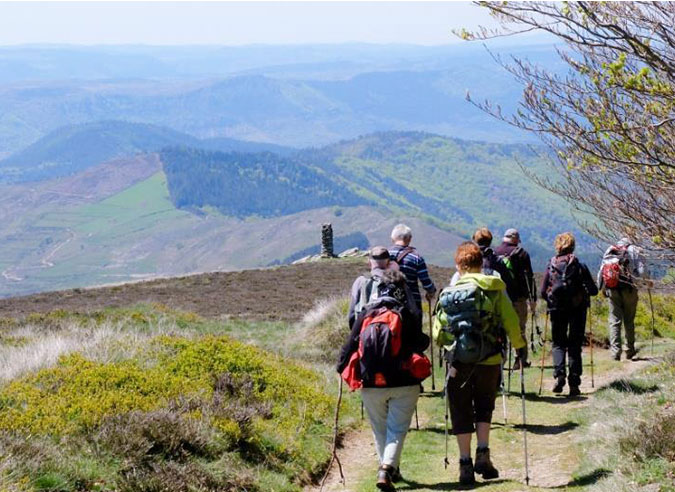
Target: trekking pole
column 431, row 338
column 446, row 462
column 522, row 395
column 543, row 354
column 508, row 389
column 651, row 307
column 532, row 333
column 334, row 457
column 417, row 420
column 503, row 392
column 590, row 339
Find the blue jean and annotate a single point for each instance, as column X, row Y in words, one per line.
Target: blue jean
column 390, row 411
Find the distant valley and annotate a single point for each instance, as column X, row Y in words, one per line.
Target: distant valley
column 130, row 162
column 150, row 202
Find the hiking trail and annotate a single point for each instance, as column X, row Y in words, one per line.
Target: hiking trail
column 552, row 436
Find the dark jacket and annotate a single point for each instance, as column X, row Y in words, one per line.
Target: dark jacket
column 491, row 262
column 582, row 285
column 413, row 340
column 523, row 286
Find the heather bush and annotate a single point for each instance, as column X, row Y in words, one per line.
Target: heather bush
column 132, row 425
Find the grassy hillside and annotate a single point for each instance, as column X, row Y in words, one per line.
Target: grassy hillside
column 79, row 232
column 151, row 399
column 221, row 211
column 456, row 185
column 459, row 184
column 154, row 398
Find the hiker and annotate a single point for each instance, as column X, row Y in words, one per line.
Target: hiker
column 623, row 266
column 366, row 288
column 567, row 289
column 411, row 264
column 519, row 280
column 471, row 322
column 385, row 366
column 491, row 264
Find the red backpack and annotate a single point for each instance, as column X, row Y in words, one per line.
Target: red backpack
column 377, row 360
column 615, row 267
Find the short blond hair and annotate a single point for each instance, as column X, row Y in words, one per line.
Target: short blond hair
column 564, row 243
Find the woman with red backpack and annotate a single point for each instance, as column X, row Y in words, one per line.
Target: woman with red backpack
column 567, row 288
column 383, row 357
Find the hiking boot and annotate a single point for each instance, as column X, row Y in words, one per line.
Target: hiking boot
column 559, row 385
column 484, row 465
column 384, row 481
column 630, row 353
column 466, row 476
column 516, row 364
column 574, row 391
column 616, row 356
column 396, row 475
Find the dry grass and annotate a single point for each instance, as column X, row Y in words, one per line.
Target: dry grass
column 631, row 432
column 30, row 347
column 322, row 330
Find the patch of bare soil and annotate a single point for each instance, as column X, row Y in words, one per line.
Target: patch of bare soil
column 274, row 294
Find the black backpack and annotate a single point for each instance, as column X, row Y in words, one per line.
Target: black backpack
column 510, row 269
column 565, row 287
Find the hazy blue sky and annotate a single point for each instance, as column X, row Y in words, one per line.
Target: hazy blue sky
column 235, row 22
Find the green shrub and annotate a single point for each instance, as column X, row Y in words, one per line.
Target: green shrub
column 166, row 425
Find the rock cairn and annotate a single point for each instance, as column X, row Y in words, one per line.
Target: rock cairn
column 327, row 241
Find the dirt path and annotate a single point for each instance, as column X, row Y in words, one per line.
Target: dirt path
column 552, row 436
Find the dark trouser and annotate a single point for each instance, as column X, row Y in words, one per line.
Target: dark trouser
column 568, row 328
column 474, row 401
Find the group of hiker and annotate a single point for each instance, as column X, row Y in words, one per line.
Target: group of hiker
column 477, row 320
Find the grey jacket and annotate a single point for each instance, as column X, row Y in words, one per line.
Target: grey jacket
column 355, row 294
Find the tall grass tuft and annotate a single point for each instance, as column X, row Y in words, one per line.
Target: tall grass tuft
column 323, row 330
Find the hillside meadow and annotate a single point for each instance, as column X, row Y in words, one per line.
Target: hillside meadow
column 151, row 396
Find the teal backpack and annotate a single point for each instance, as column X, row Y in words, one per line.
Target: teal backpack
column 470, row 318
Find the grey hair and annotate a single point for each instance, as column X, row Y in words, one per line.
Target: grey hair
column 401, row 232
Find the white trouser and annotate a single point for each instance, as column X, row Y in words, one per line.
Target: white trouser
column 390, row 411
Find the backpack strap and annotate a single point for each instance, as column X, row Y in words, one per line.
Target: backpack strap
column 515, row 251
column 403, row 253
